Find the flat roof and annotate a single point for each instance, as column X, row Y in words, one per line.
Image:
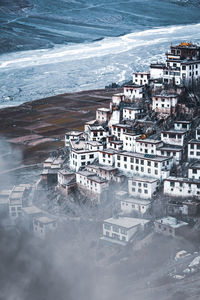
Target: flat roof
column 101, row 167
column 149, row 141
column 58, row 160
column 94, row 143
column 126, row 222
column 96, row 127
column 122, row 125
column 143, row 179
column 193, row 141
column 65, row 172
column 137, row 201
column 171, row 148
column 175, row 131
column 78, row 145
column 183, row 122
column 97, row 179
column 118, row 95
column 90, row 122
column 142, row 73
column 85, row 173
column 131, row 134
column 49, row 159
column 32, row 210
column 165, row 95
column 132, row 85
column 190, row 62
column 157, row 65
column 92, row 176
column 172, row 222
column 116, row 142
column 145, row 156
column 132, row 108
column 45, row 219
column 74, row 132
column 109, row 151
column 195, row 166
column 182, row 179
column 104, row 109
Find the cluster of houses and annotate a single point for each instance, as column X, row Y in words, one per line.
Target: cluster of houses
column 136, row 147
column 17, row 205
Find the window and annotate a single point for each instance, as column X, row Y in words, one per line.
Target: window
column 172, row 184
column 139, row 191
column 82, row 157
column 115, row 236
column 146, row 191
column 107, row 226
column 123, row 231
column 115, row 228
column 91, row 156
column 125, row 158
column 149, row 164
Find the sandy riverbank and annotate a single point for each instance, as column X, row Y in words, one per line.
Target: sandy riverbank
column 38, row 127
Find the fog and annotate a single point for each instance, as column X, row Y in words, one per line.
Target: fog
column 73, row 263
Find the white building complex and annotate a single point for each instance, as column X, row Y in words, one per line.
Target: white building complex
column 129, row 205
column 182, row 65
column 181, row 187
column 120, row 230
column 142, row 187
